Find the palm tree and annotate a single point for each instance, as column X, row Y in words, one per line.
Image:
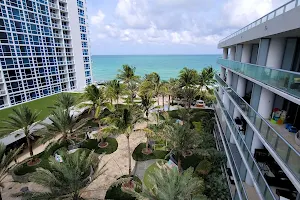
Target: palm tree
column 188, row 77
column 115, row 89
column 189, row 94
column 163, row 91
column 65, row 100
column 5, row 162
column 122, row 121
column 127, row 74
column 182, row 140
column 98, row 102
column 132, row 87
column 174, row 88
column 146, row 103
column 67, row 179
column 206, row 78
column 170, row 184
column 62, row 122
column 155, row 81
column 21, row 118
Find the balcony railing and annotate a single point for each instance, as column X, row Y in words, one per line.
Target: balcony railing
column 67, row 36
column 1, row 80
column 286, row 81
column 68, row 45
column 70, row 62
column 64, row 80
column 72, row 78
column 63, row 8
column 60, row 54
column 65, row 18
column 3, row 105
column 258, row 176
column 286, row 7
column 52, row 5
column 2, row 92
column 56, row 25
column 54, row 15
column 242, row 194
column 284, row 150
column 65, row 27
column 61, row 62
column 57, row 35
column 62, row 71
column 64, row 1
column 69, row 53
column 71, row 70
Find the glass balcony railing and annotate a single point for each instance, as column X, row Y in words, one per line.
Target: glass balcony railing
column 262, row 184
column 284, row 150
column 238, row 181
column 286, row 81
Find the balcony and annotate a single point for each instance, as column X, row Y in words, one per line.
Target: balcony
column 3, row 105
column 70, row 62
column 63, row 8
column 54, row 15
column 58, row 44
column 52, row 5
column 65, row 27
column 2, row 92
column 62, row 71
column 69, row 54
column 64, row 1
column 67, row 36
column 247, row 157
column 71, row 70
column 241, row 192
column 56, row 25
column 60, row 54
column 64, row 80
column 1, row 80
column 56, row 35
column 68, row 45
column 61, row 62
column 72, row 78
column 285, row 81
column 284, row 152
column 64, row 18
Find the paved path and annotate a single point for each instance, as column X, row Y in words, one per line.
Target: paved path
column 141, row 166
column 116, row 166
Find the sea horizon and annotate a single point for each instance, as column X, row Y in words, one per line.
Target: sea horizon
column 105, row 67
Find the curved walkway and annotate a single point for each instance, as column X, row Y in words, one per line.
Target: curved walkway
column 116, row 166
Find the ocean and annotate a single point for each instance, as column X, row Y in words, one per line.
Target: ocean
column 167, row 66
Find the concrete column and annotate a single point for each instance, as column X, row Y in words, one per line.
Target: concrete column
column 223, row 72
column 246, row 53
column 220, row 92
column 241, row 86
column 229, row 78
column 232, row 53
column 225, row 53
column 266, row 101
column 236, row 113
column 226, row 100
column 275, row 53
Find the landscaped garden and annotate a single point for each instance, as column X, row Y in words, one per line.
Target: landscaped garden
column 179, row 144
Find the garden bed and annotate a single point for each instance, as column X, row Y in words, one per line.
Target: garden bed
column 116, row 193
column 138, row 155
column 93, row 144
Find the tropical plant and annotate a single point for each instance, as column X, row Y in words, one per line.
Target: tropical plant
column 188, row 77
column 115, row 89
column 127, row 74
column 206, row 78
column 171, row 184
column 66, row 179
column 189, row 95
column 215, row 187
column 122, row 121
column 62, row 122
column 146, row 103
column 21, row 118
column 163, row 91
column 182, row 140
column 5, row 162
column 132, row 88
column 155, row 83
column 65, row 101
column 97, row 103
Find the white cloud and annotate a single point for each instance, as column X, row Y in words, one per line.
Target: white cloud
column 97, row 19
column 189, row 22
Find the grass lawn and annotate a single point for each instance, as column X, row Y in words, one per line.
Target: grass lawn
column 139, row 156
column 41, row 105
column 150, row 170
column 117, row 194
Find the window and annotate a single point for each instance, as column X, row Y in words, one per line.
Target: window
column 83, row 29
column 87, row 73
column 86, row 59
column 84, row 44
column 79, row 3
column 83, row 37
column 85, row 52
column 80, row 12
column 81, row 20
column 87, row 66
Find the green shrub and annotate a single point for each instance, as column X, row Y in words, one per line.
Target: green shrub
column 139, row 156
column 93, row 144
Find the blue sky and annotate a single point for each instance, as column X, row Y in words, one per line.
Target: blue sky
column 129, row 27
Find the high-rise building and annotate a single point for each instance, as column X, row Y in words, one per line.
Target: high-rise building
column 258, row 106
column 44, row 49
